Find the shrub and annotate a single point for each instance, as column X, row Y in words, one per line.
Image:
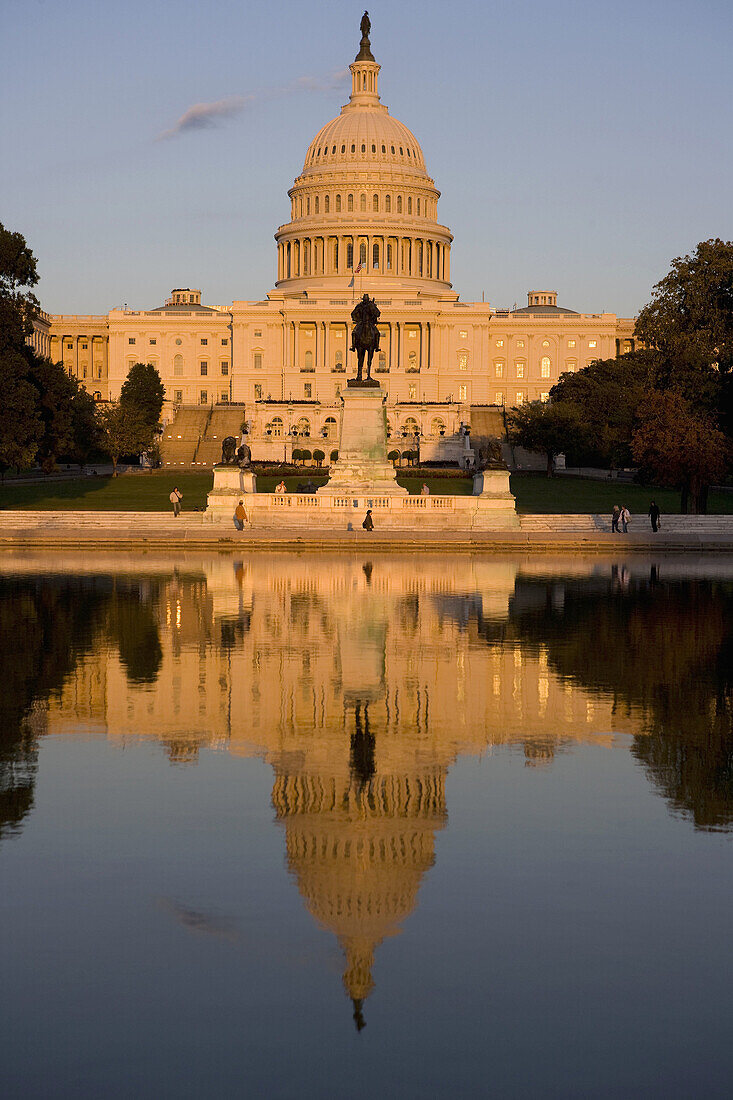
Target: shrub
column 319, row 456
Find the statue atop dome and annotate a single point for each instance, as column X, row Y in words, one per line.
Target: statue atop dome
column 365, row 51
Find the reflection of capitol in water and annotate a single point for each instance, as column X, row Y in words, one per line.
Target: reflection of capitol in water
column 359, row 681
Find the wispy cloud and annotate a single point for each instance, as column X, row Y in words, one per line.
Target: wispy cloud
column 202, row 116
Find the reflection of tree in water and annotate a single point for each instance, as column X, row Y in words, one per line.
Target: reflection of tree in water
column 133, row 626
column 666, row 648
column 44, row 625
column 48, row 625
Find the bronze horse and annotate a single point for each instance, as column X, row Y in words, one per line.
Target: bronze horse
column 365, row 335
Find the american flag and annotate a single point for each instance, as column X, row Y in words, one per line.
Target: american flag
column 357, row 269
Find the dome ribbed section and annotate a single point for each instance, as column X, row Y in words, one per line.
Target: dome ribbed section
column 362, row 138
column 365, row 201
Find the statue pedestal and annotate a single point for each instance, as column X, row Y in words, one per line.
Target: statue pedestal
column 362, row 465
column 495, row 506
column 231, row 483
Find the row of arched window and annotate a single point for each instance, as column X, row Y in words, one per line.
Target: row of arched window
column 409, row 428
column 421, row 258
column 323, row 152
column 303, row 206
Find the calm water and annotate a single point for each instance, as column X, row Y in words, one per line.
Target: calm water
column 330, row 826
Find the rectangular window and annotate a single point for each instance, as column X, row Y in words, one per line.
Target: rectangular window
column 258, row 332
column 461, row 393
column 571, row 343
column 130, row 340
column 204, row 368
column 592, row 343
column 544, row 397
column 178, row 396
column 224, row 342
column 84, row 347
column 500, row 343
column 204, row 341
column 224, row 367
column 545, row 369
column 520, row 370
column 463, row 361
column 413, row 392
column 498, row 398
column 258, row 392
column 258, row 360
column 178, row 367
column 520, row 343
column 307, row 391
column 463, row 334
column 204, row 397
column 224, row 397
column 520, row 397
column 152, row 340
column 499, row 370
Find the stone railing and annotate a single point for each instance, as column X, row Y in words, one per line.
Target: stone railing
column 347, row 509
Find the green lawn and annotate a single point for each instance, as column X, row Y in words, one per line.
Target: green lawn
column 149, row 493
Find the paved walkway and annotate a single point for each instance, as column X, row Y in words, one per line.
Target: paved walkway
column 537, row 533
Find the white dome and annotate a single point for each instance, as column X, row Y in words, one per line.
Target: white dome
column 364, row 137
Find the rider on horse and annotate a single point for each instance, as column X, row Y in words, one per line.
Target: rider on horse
column 365, row 334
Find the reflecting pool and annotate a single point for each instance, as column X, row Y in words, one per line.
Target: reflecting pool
column 411, row 826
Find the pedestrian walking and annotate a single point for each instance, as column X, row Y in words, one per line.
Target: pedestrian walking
column 240, row 516
column 425, row 491
column 615, row 518
column 368, row 523
column 625, row 518
column 175, row 498
column 654, row 516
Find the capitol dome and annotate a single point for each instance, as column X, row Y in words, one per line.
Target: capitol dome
column 364, row 203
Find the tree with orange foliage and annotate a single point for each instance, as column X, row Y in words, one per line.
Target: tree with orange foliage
column 679, row 448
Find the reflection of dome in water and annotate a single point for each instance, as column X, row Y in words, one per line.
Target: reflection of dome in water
column 359, row 850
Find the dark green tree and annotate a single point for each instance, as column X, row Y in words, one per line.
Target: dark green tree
column 67, row 413
column 551, row 428
column 18, row 305
column 690, row 316
column 21, row 426
column 606, row 395
column 143, row 393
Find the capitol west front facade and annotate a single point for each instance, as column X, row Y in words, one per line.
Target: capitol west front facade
column 363, row 219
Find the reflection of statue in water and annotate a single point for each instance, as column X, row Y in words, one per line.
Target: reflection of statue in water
column 232, row 455
column 365, row 335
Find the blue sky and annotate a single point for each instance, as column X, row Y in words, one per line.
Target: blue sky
column 578, row 146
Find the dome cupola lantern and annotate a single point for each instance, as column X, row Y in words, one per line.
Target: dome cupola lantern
column 364, row 200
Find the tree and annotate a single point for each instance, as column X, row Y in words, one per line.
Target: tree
column 550, row 428
column 393, row 456
column 21, row 427
column 679, row 447
column 68, row 413
column 319, row 456
column 334, row 456
column 690, row 316
column 297, row 454
column 606, row 395
column 18, row 305
column 123, row 433
column 143, row 393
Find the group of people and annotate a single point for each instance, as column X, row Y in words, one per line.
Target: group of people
column 622, row 515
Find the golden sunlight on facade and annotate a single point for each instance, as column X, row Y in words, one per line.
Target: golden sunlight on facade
column 363, row 219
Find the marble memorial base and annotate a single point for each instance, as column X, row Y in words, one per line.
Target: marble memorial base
column 231, row 484
column 362, row 467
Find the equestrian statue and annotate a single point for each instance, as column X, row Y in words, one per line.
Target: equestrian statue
column 365, row 337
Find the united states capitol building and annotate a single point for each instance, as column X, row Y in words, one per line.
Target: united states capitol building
column 363, row 219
